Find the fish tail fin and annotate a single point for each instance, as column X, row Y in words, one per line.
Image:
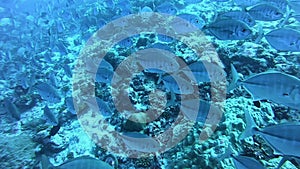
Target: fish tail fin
column 172, row 101
column 235, row 79
column 46, row 163
column 250, row 125
column 260, row 34
column 159, row 78
column 288, row 15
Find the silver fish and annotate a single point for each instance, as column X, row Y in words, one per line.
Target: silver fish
column 265, row 12
column 140, row 142
column 275, row 86
column 244, row 162
column 193, row 19
column 100, row 105
column 84, row 162
column 105, row 72
column 237, row 15
column 204, row 71
column 284, row 39
column 70, row 105
column 157, row 60
column 200, row 114
column 192, row 1
column 178, row 86
column 50, row 117
column 241, row 162
column 246, row 3
column 278, row 136
column 48, row 92
column 297, row 17
column 167, row 7
column 295, row 5
column 230, row 30
column 280, row 4
column 12, row 109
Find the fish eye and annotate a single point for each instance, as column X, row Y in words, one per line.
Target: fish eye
column 244, row 30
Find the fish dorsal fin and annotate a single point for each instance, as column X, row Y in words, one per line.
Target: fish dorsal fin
column 78, row 158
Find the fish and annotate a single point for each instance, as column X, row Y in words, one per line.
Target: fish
column 181, row 26
column 220, row 0
column 284, row 39
column 237, row 15
column 47, row 92
column 265, row 12
column 70, row 105
column 240, row 161
column 104, row 108
column 244, row 162
column 161, row 45
column 296, row 16
column 84, row 162
column 67, row 70
column 275, row 86
column 204, row 71
column 280, row 4
column 166, row 7
column 60, row 26
column 246, row 3
column 140, row 142
column 193, row 19
column 164, row 38
column 126, row 43
column 105, row 72
column 276, row 135
column 157, row 61
column 295, row 5
column 229, row 30
column 12, row 109
column 52, row 79
column 192, row 1
column 101, row 106
column 190, row 110
column 50, row 117
column 177, row 84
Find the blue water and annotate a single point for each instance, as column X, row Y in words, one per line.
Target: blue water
column 50, row 53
